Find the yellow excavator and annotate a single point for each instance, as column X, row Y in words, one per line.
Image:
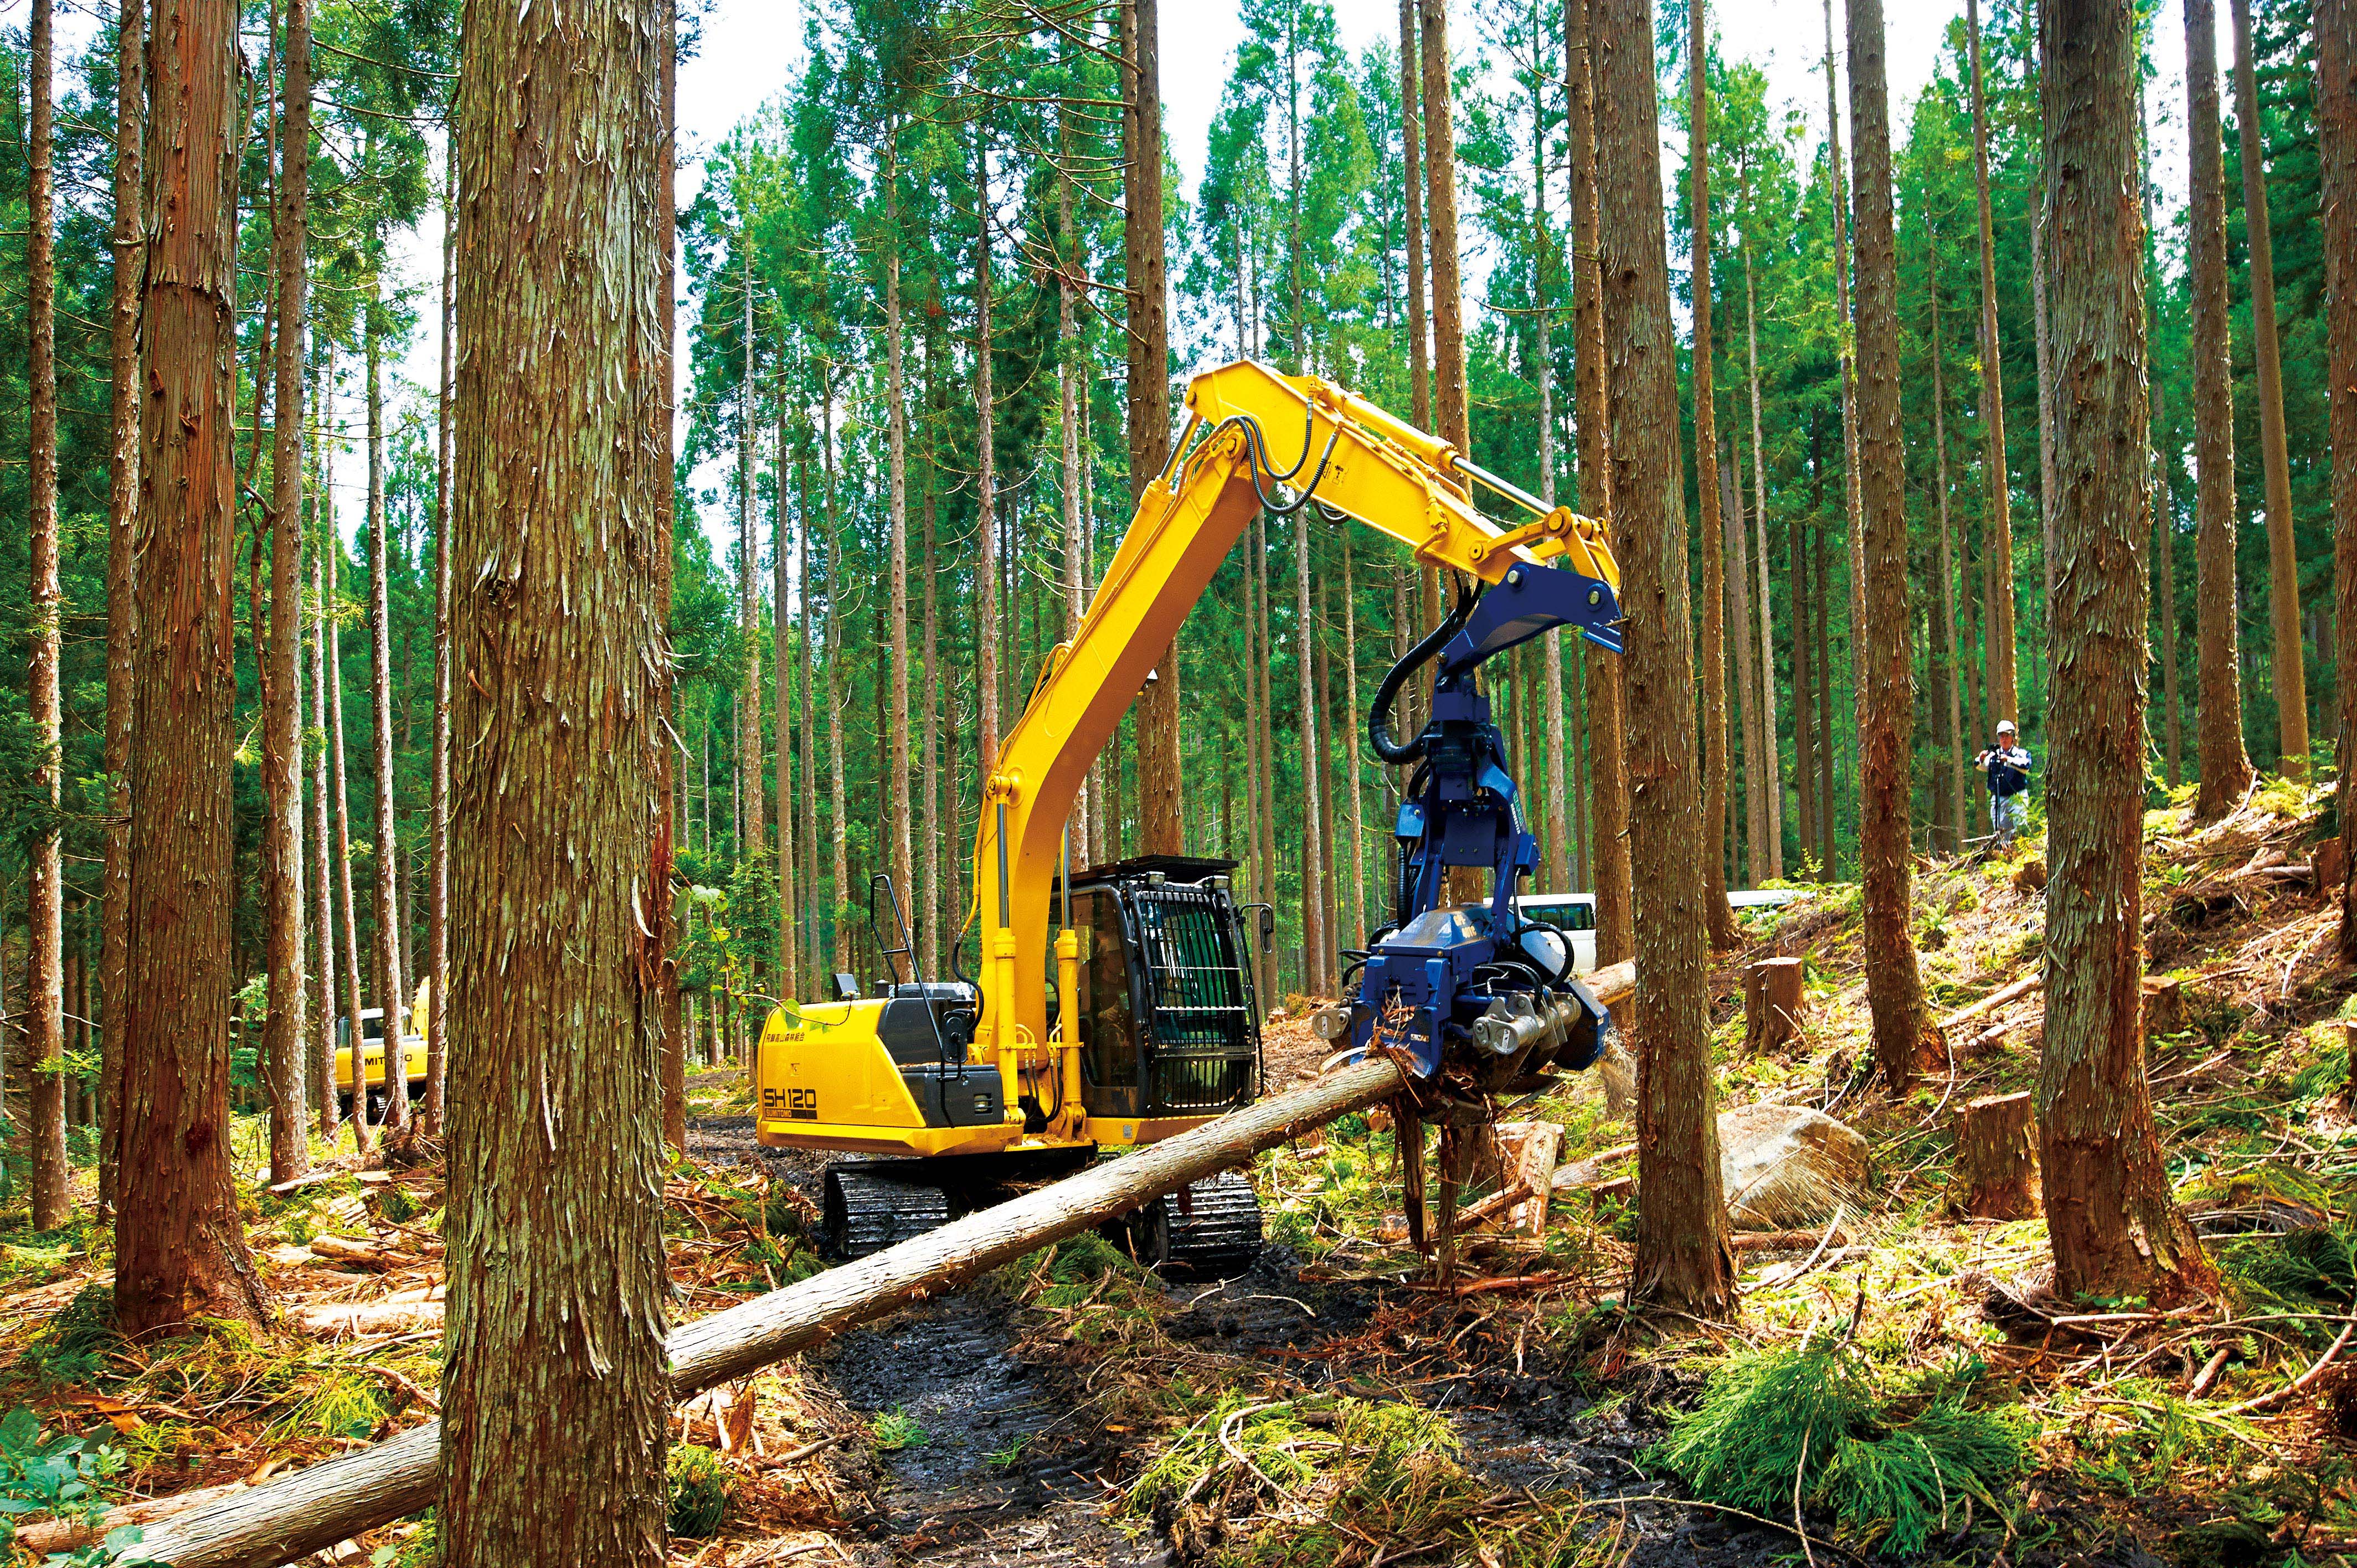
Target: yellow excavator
column 1114, row 1005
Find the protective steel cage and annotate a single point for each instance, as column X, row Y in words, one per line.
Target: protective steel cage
column 1205, row 1042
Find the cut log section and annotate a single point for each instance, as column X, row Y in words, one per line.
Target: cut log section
column 311, row 1510
column 1773, row 1001
column 1996, row 1158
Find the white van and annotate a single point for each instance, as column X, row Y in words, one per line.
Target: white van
column 1574, row 914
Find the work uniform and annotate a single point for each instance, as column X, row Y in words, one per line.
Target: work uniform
column 2009, row 781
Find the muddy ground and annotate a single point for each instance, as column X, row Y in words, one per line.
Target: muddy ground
column 1008, row 1465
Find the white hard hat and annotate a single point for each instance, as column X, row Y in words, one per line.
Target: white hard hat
column 2005, row 726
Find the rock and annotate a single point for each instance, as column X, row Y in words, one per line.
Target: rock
column 1787, row 1166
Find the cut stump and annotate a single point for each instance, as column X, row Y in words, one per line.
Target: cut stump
column 1773, row 1001
column 1996, row 1158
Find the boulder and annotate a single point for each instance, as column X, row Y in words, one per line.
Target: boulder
column 1787, row 1166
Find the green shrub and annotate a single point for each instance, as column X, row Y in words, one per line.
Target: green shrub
column 699, row 1486
column 1808, row 1419
column 58, row 1474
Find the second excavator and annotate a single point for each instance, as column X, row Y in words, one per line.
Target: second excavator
column 1115, row 1006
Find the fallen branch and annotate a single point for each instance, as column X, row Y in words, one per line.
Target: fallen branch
column 1994, row 999
column 2297, row 1384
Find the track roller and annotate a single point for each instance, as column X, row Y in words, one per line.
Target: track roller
column 861, row 1214
column 1210, row 1229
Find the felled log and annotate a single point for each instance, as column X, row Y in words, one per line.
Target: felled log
column 1772, row 1002
column 352, row 1319
column 311, row 1510
column 73, row 1531
column 360, row 1254
column 1996, row 1158
column 1994, row 1000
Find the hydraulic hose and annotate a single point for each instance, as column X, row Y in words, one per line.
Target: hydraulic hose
column 1379, row 715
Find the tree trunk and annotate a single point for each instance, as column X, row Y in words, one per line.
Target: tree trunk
column 437, row 824
column 1853, row 501
column 1996, row 1158
column 1715, row 538
column 752, row 833
column 1682, row 1261
column 2004, row 701
column 1556, row 770
column 1887, row 727
column 1828, row 809
column 323, row 897
column 1361, row 929
column 1770, row 757
column 386, row 852
column 811, row 927
column 2225, row 764
column 1440, row 182
column 179, row 1243
column 2289, row 670
column 1419, row 330
column 1950, row 702
column 1266, row 678
column 2114, row 1228
column 1314, row 935
column 790, row 974
column 1733, row 544
column 282, row 727
column 897, row 803
column 1161, row 829
column 985, row 565
column 44, row 906
column 122, row 517
column 1804, row 697
column 841, row 836
column 931, row 901
column 559, row 854
column 2050, row 496
column 2336, row 98
column 1609, row 773
column 1069, row 366
column 362, row 1132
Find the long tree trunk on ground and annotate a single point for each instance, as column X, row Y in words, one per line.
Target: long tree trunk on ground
column 2225, row 764
column 897, row 803
column 1714, row 538
column 1449, row 392
column 2115, row 1230
column 282, row 726
column 555, row 1335
column 122, row 517
column 180, row 1244
column 1887, row 715
column 386, row 852
column 437, row 809
column 1682, row 1262
column 2288, row 669
column 45, row 911
column 1608, row 768
column 2336, row 102
column 1997, row 540
column 1161, row 829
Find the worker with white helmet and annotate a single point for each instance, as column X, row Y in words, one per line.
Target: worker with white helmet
column 2008, row 767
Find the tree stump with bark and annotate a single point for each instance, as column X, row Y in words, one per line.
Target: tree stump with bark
column 1996, row 1158
column 2165, row 1009
column 1773, row 1001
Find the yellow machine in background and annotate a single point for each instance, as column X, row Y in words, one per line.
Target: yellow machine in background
column 413, row 1049
column 1115, row 1006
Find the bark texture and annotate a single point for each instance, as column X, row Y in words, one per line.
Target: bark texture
column 2336, row 99
column 1682, row 1261
column 45, row 1002
column 1449, row 394
column 282, row 719
column 1887, row 707
column 179, row 1243
column 1998, row 539
column 560, row 845
column 2288, row 669
column 2114, row 1228
column 2225, row 764
column 1608, row 776
column 122, row 523
column 1715, row 539
column 1419, row 330
column 1161, row 826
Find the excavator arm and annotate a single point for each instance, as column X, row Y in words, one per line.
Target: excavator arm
column 1253, row 439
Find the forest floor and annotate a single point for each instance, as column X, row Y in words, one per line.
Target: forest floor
column 1899, row 1382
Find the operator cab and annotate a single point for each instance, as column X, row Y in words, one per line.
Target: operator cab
column 1169, row 1023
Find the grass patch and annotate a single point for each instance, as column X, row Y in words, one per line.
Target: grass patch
column 1810, row 1420
column 699, row 1487
column 895, row 1429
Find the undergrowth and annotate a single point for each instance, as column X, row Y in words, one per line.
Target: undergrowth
column 1809, row 1421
